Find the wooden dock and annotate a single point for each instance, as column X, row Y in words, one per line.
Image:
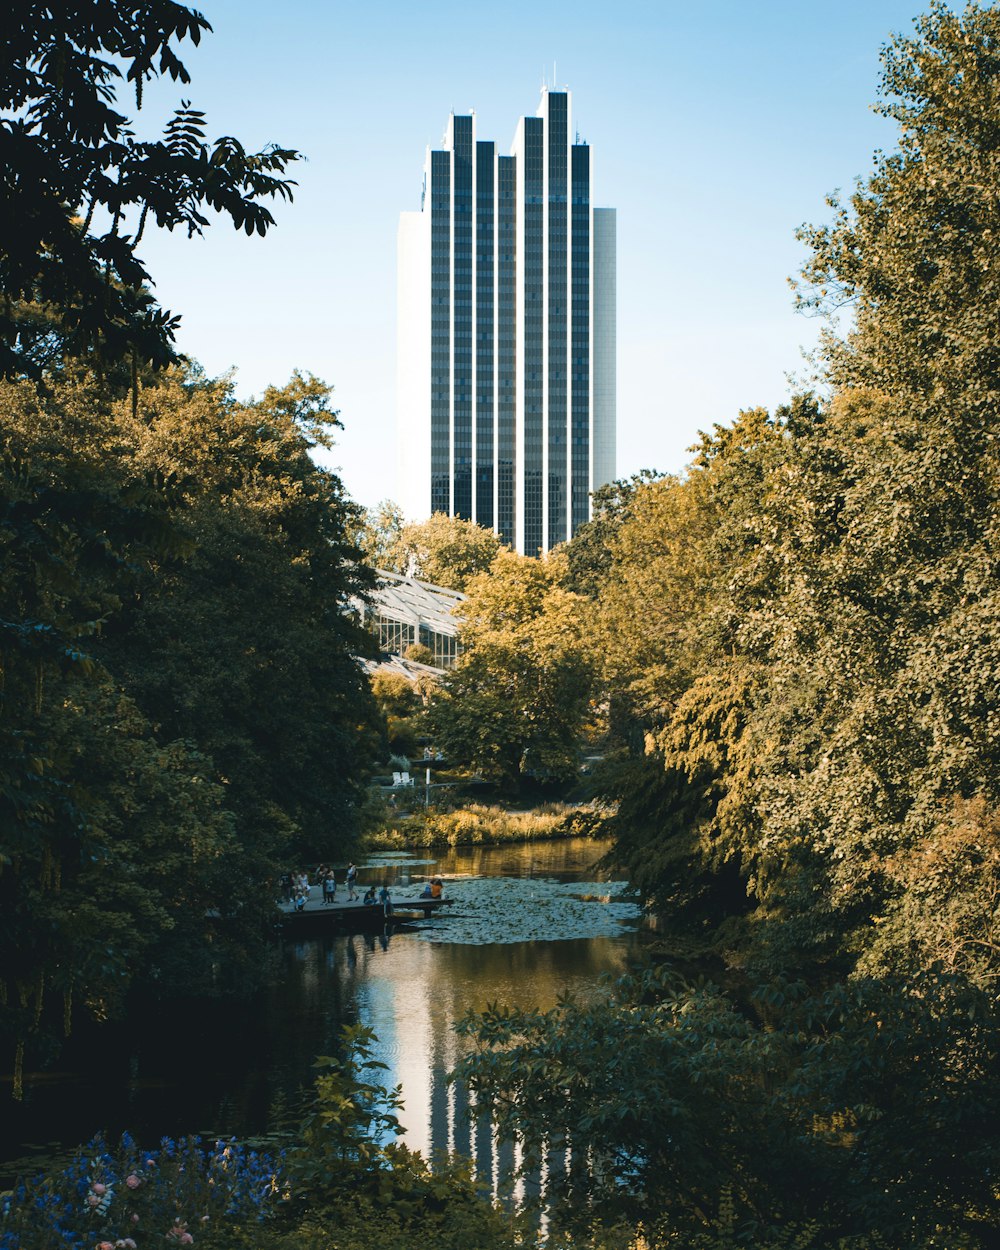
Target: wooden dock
column 342, row 914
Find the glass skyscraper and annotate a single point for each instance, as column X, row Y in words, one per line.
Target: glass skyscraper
column 506, row 334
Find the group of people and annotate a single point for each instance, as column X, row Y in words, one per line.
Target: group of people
column 295, row 888
column 328, row 879
column 384, row 898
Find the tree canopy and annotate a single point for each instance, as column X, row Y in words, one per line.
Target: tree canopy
column 515, row 703
column 182, row 710
column 80, row 186
column 447, row 551
column 805, row 763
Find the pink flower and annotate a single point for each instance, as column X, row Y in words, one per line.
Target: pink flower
column 105, row 1245
column 93, row 1200
column 135, row 1218
column 98, row 1188
column 133, row 1181
column 187, row 1239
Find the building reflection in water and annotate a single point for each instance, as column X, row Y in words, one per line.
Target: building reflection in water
column 412, row 993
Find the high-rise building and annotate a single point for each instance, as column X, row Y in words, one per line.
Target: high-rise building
column 506, row 334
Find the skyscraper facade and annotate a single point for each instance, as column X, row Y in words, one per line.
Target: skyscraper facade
column 506, row 333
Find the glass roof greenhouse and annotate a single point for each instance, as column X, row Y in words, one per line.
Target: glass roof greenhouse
column 406, row 611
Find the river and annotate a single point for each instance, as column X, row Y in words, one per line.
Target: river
column 530, row 922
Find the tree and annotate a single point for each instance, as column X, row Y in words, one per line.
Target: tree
column 841, row 1113
column 79, row 187
column 111, row 839
column 823, row 819
column 588, row 551
column 183, row 710
column 515, row 703
column 243, row 644
column 445, row 550
column 380, row 534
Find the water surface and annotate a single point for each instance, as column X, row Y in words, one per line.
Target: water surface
column 530, row 923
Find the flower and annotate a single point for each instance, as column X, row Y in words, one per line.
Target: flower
column 133, row 1181
column 105, row 1245
column 93, row 1200
column 98, row 1188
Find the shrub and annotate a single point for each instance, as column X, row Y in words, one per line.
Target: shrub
column 477, row 825
column 182, row 1193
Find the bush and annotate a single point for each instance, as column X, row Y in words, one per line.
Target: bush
column 477, row 825
column 180, row 1194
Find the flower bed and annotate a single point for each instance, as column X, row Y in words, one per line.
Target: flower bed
column 124, row 1198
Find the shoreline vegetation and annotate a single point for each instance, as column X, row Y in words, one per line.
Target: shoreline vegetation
column 480, row 824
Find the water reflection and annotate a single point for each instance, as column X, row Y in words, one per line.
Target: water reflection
column 413, row 992
column 412, row 995
column 232, row 1068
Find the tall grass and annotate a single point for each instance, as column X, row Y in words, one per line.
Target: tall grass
column 477, row 824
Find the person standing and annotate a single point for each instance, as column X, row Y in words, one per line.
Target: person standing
column 352, row 876
column 329, row 887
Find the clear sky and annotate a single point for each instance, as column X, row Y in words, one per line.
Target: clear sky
column 716, row 129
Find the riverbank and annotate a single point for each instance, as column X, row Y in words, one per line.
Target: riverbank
column 480, row 824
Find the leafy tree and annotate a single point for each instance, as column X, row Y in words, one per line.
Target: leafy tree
column 842, row 1111
column 242, row 643
column 588, row 552
column 111, row 839
column 182, row 709
column 516, row 701
column 79, row 186
column 380, row 534
column 444, row 550
column 419, row 653
column 823, row 814
column 394, row 694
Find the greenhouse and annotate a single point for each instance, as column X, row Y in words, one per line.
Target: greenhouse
column 406, row 611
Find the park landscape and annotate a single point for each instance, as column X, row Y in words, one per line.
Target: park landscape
column 783, row 664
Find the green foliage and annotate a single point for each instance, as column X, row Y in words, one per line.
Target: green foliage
column 345, row 1171
column 379, row 535
column 800, row 659
column 242, row 644
column 588, row 553
column 447, row 551
column 181, row 706
column 840, row 1112
column 79, row 187
column 476, row 824
column 394, row 694
column 516, row 701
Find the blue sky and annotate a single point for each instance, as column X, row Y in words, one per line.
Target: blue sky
column 716, row 129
